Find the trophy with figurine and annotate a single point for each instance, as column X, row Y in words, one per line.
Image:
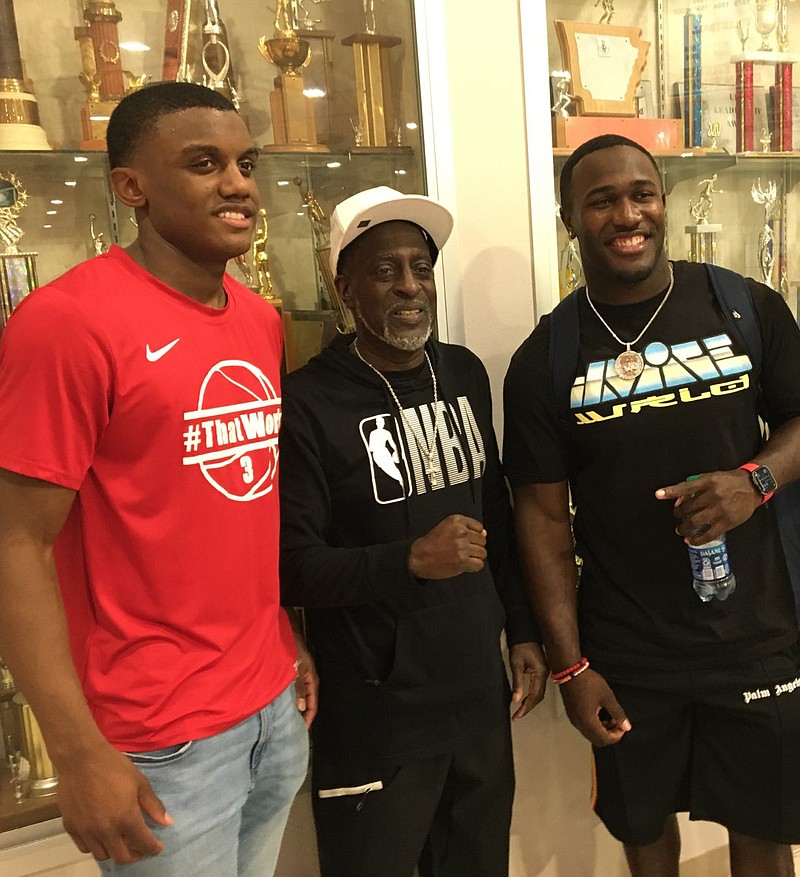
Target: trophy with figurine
column 261, row 280
column 376, row 127
column 102, row 76
column 766, row 237
column 321, row 230
column 294, row 126
column 769, row 16
column 17, row 269
column 703, row 234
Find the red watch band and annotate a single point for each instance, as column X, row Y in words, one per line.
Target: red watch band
column 751, row 467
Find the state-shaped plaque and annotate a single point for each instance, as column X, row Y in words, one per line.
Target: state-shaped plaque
column 605, row 62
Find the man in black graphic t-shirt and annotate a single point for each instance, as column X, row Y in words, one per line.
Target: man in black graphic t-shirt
column 397, row 538
column 666, row 687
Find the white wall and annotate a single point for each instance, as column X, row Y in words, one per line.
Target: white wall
column 503, row 238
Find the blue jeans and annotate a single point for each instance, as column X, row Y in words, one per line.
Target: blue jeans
column 229, row 796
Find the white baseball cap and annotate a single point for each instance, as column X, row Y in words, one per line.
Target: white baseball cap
column 364, row 211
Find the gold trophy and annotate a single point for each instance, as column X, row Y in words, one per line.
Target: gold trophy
column 19, row 112
column 32, row 771
column 376, row 126
column 703, row 234
column 320, row 227
column 262, row 281
column 17, row 270
column 293, row 119
column 37, row 776
column 102, row 75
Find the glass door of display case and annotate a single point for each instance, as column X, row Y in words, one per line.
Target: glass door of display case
column 331, row 93
column 709, row 88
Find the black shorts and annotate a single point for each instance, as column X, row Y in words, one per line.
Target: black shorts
column 722, row 744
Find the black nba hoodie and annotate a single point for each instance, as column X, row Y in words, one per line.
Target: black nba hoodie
column 403, row 663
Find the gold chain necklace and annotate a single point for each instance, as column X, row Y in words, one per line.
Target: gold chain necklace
column 431, row 469
column 630, row 364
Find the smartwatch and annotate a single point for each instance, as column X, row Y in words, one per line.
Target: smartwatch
column 763, row 480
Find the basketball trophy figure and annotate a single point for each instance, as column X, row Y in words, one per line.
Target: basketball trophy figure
column 608, row 10
column 703, row 234
column 260, row 257
column 320, row 228
column 766, row 237
column 743, row 31
column 99, row 245
column 702, row 206
column 562, row 98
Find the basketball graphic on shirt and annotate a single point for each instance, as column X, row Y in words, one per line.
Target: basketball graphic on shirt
column 232, row 436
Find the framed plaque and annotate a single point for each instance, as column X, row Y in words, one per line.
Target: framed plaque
column 605, row 62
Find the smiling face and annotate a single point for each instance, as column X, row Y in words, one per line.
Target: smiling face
column 191, row 182
column 387, row 281
column 616, row 211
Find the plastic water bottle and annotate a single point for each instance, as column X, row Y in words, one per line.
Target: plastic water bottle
column 712, row 575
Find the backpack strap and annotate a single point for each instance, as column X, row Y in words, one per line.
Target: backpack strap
column 733, row 294
column 563, row 352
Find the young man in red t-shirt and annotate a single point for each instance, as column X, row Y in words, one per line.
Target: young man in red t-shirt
column 140, row 405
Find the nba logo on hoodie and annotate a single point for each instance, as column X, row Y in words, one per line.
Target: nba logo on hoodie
column 391, row 479
column 396, row 450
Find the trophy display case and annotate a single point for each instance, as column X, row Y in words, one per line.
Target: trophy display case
column 312, row 105
column 707, row 86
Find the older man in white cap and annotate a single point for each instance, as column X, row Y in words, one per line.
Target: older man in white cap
column 397, row 538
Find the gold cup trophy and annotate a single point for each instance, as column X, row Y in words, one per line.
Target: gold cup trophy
column 294, row 126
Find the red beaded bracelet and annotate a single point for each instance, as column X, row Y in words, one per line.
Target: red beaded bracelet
column 563, row 676
column 569, row 670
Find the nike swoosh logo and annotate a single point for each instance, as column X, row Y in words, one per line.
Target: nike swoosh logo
column 155, row 355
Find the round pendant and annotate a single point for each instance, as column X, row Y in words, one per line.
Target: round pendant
column 629, row 365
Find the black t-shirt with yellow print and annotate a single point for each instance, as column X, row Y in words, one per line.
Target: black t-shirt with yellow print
column 692, row 410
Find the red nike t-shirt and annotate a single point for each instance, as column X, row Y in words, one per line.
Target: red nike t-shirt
column 163, row 414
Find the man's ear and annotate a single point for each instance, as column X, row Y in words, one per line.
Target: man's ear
column 343, row 289
column 127, row 186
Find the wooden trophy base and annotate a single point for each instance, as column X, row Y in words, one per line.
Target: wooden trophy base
column 94, row 123
column 295, row 147
column 401, row 150
column 656, row 135
column 293, row 124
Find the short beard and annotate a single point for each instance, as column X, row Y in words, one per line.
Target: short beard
column 407, row 343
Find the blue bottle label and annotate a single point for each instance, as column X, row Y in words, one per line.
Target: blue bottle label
column 710, row 561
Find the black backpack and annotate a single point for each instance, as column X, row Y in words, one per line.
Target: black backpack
column 733, row 295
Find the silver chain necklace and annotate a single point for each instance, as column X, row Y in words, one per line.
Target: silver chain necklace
column 630, row 364
column 431, row 469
